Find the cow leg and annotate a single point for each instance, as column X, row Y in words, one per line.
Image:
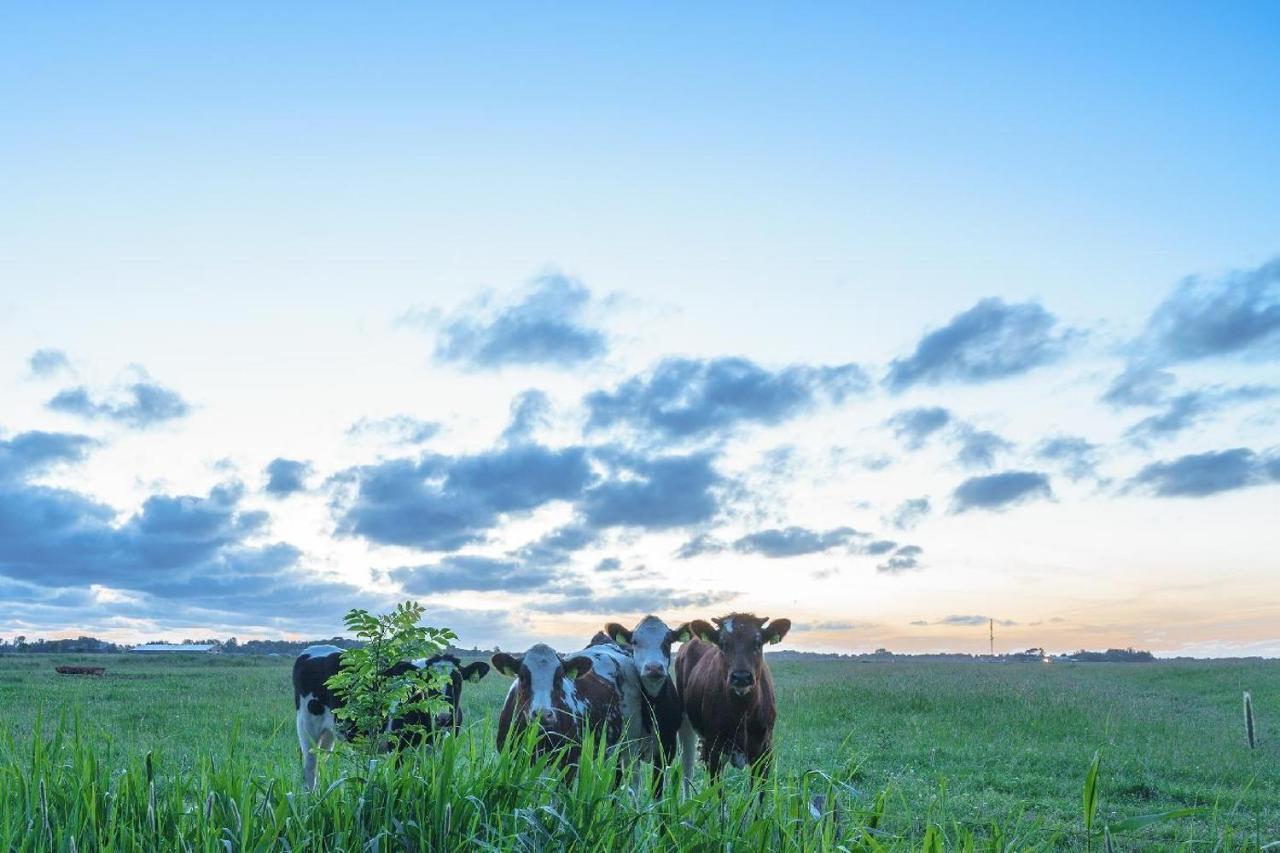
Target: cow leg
column 688, row 739
column 761, row 764
column 714, row 755
column 315, row 725
column 636, row 758
column 306, row 745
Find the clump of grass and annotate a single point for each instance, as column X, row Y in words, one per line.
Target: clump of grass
column 69, row 789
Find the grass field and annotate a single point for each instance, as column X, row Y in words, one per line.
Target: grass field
column 200, row 753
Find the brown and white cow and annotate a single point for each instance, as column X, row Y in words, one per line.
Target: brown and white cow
column 728, row 692
column 660, row 712
column 563, row 695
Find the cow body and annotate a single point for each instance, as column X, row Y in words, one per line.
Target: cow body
column 414, row 727
column 564, row 696
column 661, row 711
column 728, row 691
column 316, row 704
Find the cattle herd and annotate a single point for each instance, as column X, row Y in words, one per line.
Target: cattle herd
column 619, row 687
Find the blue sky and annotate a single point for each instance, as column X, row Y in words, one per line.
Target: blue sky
column 550, row 316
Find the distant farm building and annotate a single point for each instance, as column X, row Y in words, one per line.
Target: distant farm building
column 171, row 648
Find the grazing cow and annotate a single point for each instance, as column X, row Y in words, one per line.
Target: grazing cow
column 412, row 728
column 728, row 692
column 563, row 695
column 315, row 703
column 661, row 710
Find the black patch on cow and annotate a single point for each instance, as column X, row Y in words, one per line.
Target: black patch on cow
column 310, row 675
column 664, row 713
column 414, row 727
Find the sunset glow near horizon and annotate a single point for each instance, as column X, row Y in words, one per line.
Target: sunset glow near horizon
column 888, row 323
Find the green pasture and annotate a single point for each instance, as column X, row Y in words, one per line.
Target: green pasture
column 200, row 752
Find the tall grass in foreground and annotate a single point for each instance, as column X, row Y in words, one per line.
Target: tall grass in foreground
column 71, row 789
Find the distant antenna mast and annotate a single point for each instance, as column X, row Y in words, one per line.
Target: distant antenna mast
column 991, row 627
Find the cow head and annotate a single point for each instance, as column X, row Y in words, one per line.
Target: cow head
column 453, row 675
column 544, row 687
column 650, row 645
column 741, row 638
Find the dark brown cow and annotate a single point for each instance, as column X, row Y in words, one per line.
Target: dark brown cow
column 728, row 693
column 562, row 695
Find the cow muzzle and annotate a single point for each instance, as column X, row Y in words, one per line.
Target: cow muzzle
column 542, row 716
column 741, row 681
column 653, row 671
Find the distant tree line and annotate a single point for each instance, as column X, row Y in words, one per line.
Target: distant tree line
column 1111, row 656
column 1034, row 655
column 80, row 645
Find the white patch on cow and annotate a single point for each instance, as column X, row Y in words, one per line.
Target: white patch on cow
column 618, row 668
column 727, row 627
column 577, row 706
column 542, row 663
column 315, row 731
column 319, row 651
column 688, row 739
column 647, row 643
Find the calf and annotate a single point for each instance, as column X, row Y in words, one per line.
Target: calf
column 563, row 695
column 728, row 692
column 661, row 712
column 413, row 727
column 315, row 703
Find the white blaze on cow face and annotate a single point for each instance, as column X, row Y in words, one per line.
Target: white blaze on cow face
column 651, row 649
column 544, row 668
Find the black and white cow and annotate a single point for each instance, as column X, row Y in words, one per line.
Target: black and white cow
column 660, row 710
column 315, row 703
column 412, row 728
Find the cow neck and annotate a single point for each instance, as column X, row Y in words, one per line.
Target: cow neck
column 653, row 703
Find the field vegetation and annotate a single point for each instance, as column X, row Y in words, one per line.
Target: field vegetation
column 199, row 753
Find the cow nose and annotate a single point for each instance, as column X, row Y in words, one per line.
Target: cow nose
column 742, row 678
column 652, row 670
column 546, row 715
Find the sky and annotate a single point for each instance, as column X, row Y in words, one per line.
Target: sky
column 890, row 321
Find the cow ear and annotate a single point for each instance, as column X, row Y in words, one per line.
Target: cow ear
column 508, row 665
column 576, row 667
column 683, row 634
column 776, row 630
column 475, row 671
column 705, row 631
column 618, row 634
